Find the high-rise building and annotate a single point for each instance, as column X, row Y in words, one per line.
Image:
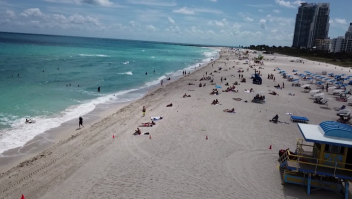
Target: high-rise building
column 341, row 43
column 312, row 22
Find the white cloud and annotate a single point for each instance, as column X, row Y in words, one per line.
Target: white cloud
column 171, row 20
column 79, row 19
column 276, row 11
column 262, row 23
column 260, row 5
column 297, row 3
column 248, row 19
column 185, row 11
column 153, row 3
column 222, row 23
column 10, row 14
column 214, row 0
column 260, row 10
column 283, row 3
column 174, row 29
column 58, row 17
column 32, row 12
column 340, row 21
column 98, row 2
column 331, row 21
column 151, row 28
column 132, row 24
column 192, row 11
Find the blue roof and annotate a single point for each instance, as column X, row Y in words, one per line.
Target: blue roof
column 336, row 129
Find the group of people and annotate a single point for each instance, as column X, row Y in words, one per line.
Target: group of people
column 215, row 102
column 185, row 95
column 214, row 92
column 271, row 76
column 259, row 97
column 231, row 88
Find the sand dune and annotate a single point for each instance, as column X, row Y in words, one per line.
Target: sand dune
column 178, row 162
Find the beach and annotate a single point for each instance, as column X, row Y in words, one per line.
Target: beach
column 196, row 151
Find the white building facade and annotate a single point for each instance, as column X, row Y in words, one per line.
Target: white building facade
column 342, row 44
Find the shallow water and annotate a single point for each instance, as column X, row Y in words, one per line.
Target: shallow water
column 36, row 72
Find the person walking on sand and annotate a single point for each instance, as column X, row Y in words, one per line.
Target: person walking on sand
column 283, row 85
column 144, row 110
column 80, row 122
column 161, row 82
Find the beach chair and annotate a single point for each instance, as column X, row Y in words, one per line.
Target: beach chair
column 338, row 109
column 299, row 119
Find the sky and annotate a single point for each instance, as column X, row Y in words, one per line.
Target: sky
column 216, row 22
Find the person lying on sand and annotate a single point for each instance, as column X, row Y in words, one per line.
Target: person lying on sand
column 250, row 90
column 190, row 83
column 236, row 83
column 230, row 110
column 227, row 84
column 273, row 93
column 148, row 124
column 169, row 105
column 185, row 95
column 278, row 86
column 243, row 80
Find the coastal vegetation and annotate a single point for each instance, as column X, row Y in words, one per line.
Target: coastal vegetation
column 341, row 58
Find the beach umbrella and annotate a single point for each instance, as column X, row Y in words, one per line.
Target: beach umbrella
column 217, row 86
column 344, row 85
column 332, row 81
column 349, row 76
column 343, row 74
column 295, row 80
column 319, row 83
column 338, row 83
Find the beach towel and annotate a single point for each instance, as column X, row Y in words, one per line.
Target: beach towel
column 237, row 99
column 156, row 118
column 289, row 113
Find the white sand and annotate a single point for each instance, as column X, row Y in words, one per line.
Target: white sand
column 178, row 162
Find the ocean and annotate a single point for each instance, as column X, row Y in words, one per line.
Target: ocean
column 54, row 79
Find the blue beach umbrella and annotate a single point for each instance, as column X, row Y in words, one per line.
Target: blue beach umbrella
column 344, row 85
column 320, row 83
column 343, row 74
column 217, row 86
column 295, row 80
column 332, row 81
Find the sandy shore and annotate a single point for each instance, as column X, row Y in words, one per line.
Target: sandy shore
column 178, row 162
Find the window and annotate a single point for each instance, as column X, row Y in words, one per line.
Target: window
column 334, row 149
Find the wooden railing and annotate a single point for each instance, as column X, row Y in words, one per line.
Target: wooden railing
column 287, row 156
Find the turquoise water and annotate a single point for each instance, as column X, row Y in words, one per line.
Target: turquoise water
column 36, row 71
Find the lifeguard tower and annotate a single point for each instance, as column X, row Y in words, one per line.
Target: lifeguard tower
column 325, row 162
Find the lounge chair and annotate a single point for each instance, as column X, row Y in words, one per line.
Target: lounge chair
column 299, row 119
column 338, row 109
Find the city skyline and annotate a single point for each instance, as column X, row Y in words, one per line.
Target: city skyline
column 216, row 22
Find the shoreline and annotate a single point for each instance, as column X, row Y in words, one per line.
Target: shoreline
column 196, row 151
column 42, row 142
